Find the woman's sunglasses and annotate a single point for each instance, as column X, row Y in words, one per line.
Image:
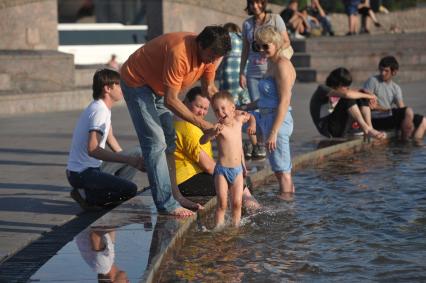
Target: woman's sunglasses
column 259, row 47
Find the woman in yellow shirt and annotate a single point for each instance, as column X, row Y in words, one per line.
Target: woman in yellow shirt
column 194, row 162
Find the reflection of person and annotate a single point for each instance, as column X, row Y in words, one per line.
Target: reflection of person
column 95, row 185
column 194, row 162
column 275, row 119
column 152, row 79
column 332, row 121
column 389, row 94
column 250, row 56
column 97, row 249
column 230, row 168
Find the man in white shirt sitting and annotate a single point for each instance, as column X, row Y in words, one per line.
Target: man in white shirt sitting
column 96, row 184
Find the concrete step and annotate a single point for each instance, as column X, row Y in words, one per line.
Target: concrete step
column 348, row 44
column 5, row 82
column 22, row 103
column 356, row 59
column 84, row 74
column 37, row 70
column 407, row 73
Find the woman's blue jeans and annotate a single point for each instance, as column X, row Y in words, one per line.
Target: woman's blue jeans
column 153, row 123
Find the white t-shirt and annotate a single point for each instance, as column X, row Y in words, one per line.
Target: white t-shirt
column 100, row 261
column 96, row 117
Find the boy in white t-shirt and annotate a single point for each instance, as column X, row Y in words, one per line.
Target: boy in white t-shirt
column 96, row 184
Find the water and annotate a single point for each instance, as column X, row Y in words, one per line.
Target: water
column 358, row 219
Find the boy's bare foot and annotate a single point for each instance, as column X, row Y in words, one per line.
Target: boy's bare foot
column 181, row 212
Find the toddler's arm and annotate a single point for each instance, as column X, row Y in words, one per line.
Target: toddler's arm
column 211, row 133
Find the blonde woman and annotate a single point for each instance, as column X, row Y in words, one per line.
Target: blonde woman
column 253, row 66
column 275, row 118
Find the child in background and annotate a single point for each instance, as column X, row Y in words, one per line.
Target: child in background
column 230, row 168
column 228, row 72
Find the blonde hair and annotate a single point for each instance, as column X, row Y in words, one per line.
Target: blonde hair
column 223, row 94
column 270, row 34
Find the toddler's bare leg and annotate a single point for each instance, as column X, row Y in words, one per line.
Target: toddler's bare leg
column 237, row 199
column 222, row 199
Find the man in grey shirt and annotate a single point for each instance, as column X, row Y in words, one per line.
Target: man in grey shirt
column 385, row 116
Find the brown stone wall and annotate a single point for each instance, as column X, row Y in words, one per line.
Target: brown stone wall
column 28, row 24
column 193, row 15
column 28, row 71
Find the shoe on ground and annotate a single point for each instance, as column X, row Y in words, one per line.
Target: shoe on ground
column 75, row 195
column 248, row 149
column 259, row 151
column 299, row 36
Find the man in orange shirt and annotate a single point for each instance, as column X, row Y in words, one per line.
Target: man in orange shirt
column 152, row 78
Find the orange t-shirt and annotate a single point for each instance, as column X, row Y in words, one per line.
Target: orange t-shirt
column 170, row 60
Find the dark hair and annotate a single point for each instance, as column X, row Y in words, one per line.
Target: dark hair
column 231, row 27
column 102, row 78
column 216, row 38
column 339, row 77
column 193, row 93
column 389, row 61
column 223, row 94
column 249, row 11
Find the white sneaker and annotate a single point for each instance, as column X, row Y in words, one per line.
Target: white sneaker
column 299, row 36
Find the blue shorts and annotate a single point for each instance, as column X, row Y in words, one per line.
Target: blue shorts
column 351, row 7
column 280, row 158
column 229, row 173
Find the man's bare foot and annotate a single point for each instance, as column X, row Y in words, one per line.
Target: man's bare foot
column 181, row 212
column 376, row 134
column 190, row 204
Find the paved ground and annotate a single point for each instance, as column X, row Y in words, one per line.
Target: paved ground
column 33, row 154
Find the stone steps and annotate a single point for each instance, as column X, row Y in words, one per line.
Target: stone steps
column 84, row 75
column 5, row 83
column 314, row 58
column 407, row 73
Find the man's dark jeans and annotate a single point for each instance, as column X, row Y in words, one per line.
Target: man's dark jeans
column 101, row 188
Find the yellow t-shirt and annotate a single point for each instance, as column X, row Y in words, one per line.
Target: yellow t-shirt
column 188, row 149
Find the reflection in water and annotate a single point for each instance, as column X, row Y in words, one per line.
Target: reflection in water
column 358, row 219
column 97, row 249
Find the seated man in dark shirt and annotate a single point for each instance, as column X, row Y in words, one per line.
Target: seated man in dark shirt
column 331, row 117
